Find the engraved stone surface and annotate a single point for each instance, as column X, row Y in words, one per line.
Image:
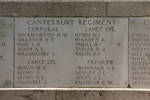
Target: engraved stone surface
column 6, row 52
column 74, row 52
column 71, row 52
column 139, row 52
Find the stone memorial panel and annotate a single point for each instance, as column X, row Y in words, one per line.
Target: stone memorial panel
column 139, row 52
column 6, row 52
column 71, row 52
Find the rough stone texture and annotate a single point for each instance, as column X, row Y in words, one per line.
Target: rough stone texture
column 52, row 0
column 52, row 9
column 64, row 8
column 128, row 9
column 102, row 95
column 27, row 95
column 126, row 0
column 74, row 95
column 70, row 0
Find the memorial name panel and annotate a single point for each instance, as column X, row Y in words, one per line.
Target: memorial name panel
column 6, row 52
column 71, row 52
column 139, row 52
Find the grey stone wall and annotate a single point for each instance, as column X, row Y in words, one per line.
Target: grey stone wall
column 88, row 9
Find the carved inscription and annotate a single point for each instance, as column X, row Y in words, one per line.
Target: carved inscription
column 71, row 52
column 139, row 52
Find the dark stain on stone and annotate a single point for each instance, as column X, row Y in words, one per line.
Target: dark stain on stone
column 129, row 86
column 38, row 91
column 25, row 96
column 41, row 91
column 1, row 57
column 119, row 44
column 85, row 94
column 100, row 94
column 28, row 97
column 7, row 83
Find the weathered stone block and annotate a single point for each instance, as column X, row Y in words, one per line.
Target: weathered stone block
column 128, row 9
column 36, row 9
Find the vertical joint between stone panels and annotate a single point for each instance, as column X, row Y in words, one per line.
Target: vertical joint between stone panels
column 106, row 7
column 55, row 95
column 128, row 56
column 14, row 52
